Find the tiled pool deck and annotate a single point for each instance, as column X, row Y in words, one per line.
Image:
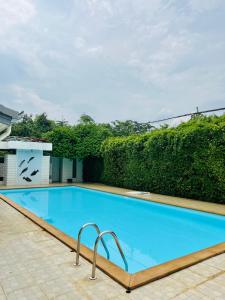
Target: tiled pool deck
column 35, row 265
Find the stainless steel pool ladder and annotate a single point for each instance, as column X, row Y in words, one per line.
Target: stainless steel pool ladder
column 99, row 238
column 93, row 277
column 79, row 238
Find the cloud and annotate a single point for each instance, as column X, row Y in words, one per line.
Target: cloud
column 113, row 59
column 27, row 99
column 85, row 49
column 206, row 5
column 15, row 12
column 80, row 43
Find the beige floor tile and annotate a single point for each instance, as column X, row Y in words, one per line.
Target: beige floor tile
column 191, row 295
column 57, row 287
column 35, row 265
column 204, row 269
column 29, row 293
column 211, row 289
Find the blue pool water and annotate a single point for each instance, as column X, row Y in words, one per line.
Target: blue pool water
column 149, row 233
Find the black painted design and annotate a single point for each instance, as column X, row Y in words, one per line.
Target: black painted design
column 23, row 171
column 21, row 163
column 30, row 159
column 27, row 179
column 34, row 172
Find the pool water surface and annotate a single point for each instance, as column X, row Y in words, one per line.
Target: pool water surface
column 149, row 233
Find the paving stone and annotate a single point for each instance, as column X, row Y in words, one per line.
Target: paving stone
column 1, row 291
column 188, row 278
column 16, row 282
column 191, row 295
column 29, row 293
column 217, row 262
column 72, row 296
column 211, row 289
column 56, row 287
column 204, row 269
column 35, row 265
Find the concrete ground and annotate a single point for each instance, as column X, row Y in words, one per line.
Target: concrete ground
column 35, row 265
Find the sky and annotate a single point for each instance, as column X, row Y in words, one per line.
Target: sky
column 112, row 59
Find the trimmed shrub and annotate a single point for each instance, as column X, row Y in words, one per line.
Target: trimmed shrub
column 186, row 161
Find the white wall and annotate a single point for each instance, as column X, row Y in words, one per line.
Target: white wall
column 25, row 145
column 29, row 166
column 67, row 169
column 10, row 171
column 45, row 169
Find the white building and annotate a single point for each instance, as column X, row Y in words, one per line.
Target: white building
column 24, row 162
column 27, row 161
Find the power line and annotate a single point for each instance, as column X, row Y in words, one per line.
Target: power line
column 189, row 114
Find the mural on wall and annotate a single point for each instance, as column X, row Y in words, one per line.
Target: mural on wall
column 29, row 166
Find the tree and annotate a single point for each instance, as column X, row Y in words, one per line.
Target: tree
column 31, row 126
column 86, row 119
column 42, row 124
column 78, row 141
column 89, row 139
column 25, row 127
column 64, row 141
column 129, row 127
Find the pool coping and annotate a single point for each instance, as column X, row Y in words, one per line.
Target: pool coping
column 129, row 281
column 193, row 204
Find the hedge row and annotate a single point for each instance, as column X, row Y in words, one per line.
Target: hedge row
column 186, row 161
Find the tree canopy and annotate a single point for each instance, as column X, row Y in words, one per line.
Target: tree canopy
column 81, row 140
column 78, row 141
column 31, row 126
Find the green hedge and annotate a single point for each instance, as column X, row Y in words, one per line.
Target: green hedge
column 186, row 161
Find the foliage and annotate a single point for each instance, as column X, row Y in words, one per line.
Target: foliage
column 79, row 141
column 186, row 161
column 129, row 127
column 24, row 127
column 32, row 127
column 89, row 139
column 42, row 124
column 86, row 119
column 64, row 141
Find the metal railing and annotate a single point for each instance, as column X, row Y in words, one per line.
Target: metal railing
column 93, row 277
column 79, row 238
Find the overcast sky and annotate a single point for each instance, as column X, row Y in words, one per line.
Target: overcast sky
column 112, row 59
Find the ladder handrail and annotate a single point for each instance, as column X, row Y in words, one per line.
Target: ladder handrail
column 79, row 238
column 96, row 248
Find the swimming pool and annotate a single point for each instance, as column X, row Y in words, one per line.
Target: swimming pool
column 150, row 233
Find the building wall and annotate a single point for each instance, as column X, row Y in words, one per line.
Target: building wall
column 79, row 169
column 2, row 173
column 55, row 169
column 29, row 166
column 45, row 169
column 10, row 171
column 67, row 169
